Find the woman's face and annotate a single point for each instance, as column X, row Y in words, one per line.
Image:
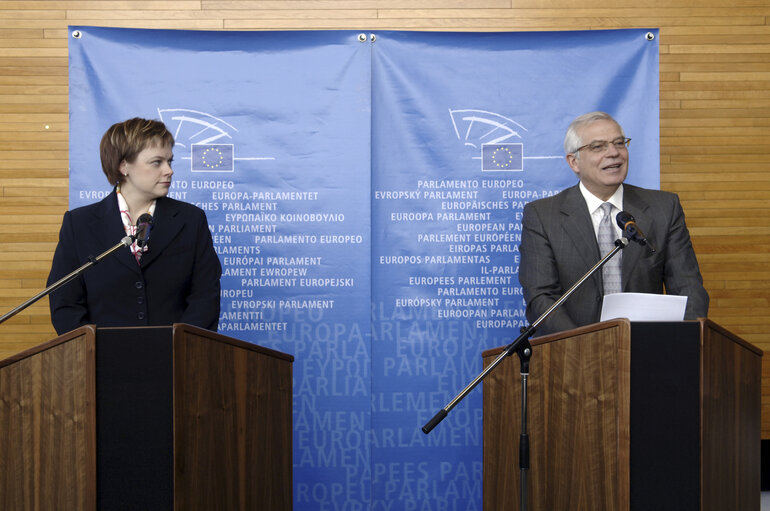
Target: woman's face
column 149, row 176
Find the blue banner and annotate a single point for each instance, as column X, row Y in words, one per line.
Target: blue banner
column 365, row 192
column 466, row 129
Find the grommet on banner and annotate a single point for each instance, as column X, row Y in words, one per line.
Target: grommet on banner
column 373, row 37
column 362, row 38
column 77, row 34
column 649, row 36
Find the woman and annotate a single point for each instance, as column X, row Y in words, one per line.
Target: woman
column 174, row 278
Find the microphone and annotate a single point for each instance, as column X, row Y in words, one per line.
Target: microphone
column 627, row 222
column 143, row 226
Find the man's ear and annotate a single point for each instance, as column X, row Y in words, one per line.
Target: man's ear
column 572, row 162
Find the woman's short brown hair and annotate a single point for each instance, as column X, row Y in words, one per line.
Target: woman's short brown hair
column 125, row 140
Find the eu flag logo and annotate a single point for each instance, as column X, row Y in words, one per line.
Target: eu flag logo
column 502, row 157
column 212, row 157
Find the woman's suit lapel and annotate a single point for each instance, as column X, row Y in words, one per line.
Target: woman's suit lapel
column 106, row 226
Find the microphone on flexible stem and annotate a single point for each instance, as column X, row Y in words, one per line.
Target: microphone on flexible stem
column 627, row 222
column 143, row 226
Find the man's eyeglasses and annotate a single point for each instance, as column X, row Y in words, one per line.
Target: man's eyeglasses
column 599, row 146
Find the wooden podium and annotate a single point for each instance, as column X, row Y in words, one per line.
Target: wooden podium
column 628, row 416
column 146, row 418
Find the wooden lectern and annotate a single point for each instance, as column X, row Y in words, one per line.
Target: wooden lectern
column 628, row 416
column 146, row 418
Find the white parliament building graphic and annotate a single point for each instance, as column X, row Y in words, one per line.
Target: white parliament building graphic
column 208, row 138
column 493, row 134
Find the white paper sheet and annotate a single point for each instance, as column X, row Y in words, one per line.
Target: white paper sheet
column 643, row 307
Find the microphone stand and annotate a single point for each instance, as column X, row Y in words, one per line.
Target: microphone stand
column 523, row 349
column 125, row 242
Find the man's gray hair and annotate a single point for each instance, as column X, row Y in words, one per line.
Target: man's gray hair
column 572, row 141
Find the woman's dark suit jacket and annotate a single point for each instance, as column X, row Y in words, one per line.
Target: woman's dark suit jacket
column 177, row 282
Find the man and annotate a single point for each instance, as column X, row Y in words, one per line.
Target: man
column 560, row 243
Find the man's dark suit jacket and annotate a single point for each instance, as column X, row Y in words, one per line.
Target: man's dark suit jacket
column 558, row 246
column 177, row 282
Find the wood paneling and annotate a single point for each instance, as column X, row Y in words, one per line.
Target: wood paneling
column 729, row 427
column 206, row 424
column 617, row 425
column 243, row 407
column 585, row 382
column 715, row 115
column 48, row 419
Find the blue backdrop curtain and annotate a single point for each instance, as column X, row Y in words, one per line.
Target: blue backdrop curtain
column 365, row 192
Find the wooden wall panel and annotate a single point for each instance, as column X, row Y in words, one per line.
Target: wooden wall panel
column 715, row 120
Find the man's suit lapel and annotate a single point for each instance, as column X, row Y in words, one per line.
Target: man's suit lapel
column 106, row 224
column 167, row 222
column 578, row 226
column 634, row 204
